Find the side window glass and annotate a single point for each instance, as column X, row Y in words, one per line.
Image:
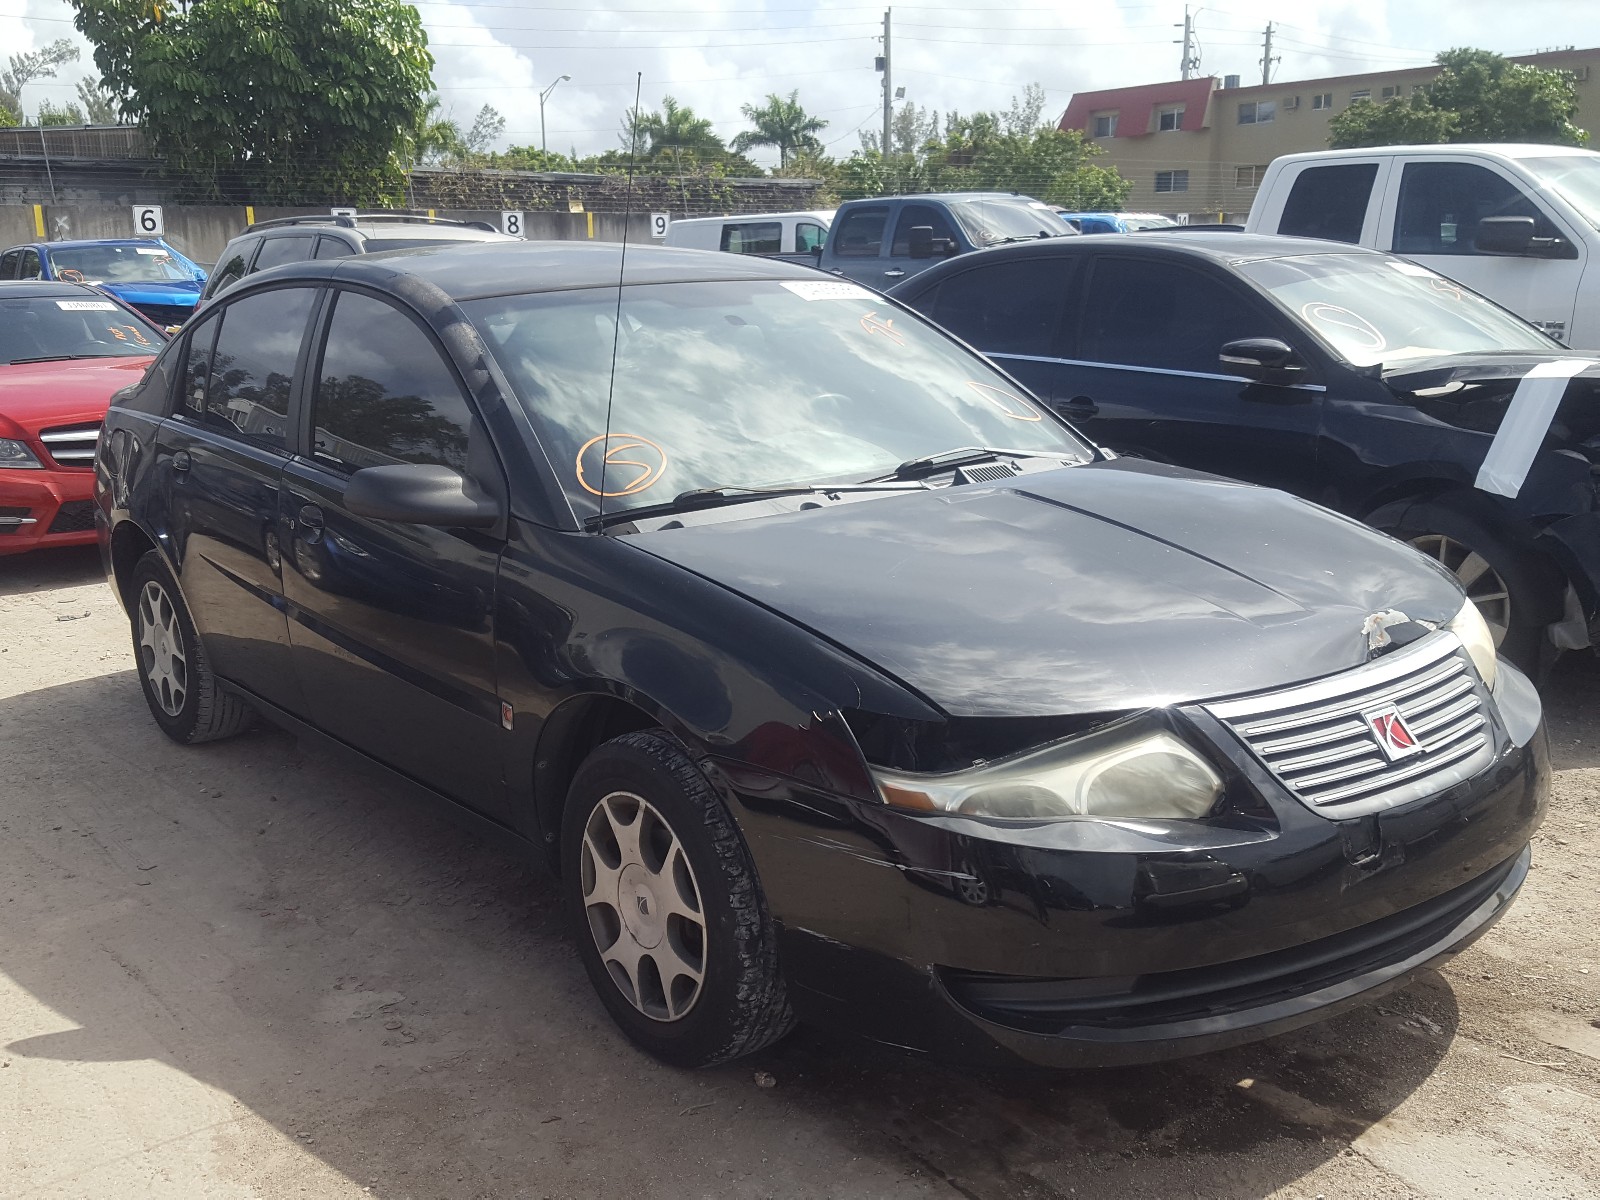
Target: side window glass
column 807, row 237
column 1009, row 308
column 385, row 394
column 328, row 247
column 913, row 215
column 29, row 268
column 277, row 251
column 8, row 264
column 1441, row 204
column 197, row 367
column 1146, row 313
column 860, row 235
column 230, row 270
column 754, row 237
column 252, row 364
column 1329, row 202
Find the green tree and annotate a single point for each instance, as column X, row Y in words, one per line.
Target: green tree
column 781, row 123
column 1478, row 96
column 67, row 114
column 487, row 128
column 25, row 68
column 99, row 106
column 284, row 101
column 674, row 131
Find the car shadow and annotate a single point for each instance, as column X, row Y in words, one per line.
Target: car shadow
column 401, row 1000
column 1571, row 695
column 40, row 570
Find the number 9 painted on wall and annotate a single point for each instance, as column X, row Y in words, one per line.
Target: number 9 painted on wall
column 659, row 223
column 147, row 220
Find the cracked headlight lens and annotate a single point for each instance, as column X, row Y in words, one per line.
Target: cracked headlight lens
column 1131, row 772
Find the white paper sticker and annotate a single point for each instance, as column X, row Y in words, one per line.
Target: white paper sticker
column 1521, row 433
column 86, row 305
column 822, row 289
column 150, row 250
column 1410, row 268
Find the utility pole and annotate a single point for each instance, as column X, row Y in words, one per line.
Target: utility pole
column 1266, row 57
column 1191, row 60
column 888, row 84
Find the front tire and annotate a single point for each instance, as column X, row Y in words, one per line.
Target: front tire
column 178, row 683
column 666, row 908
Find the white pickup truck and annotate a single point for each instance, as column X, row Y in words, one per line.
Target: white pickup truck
column 1518, row 223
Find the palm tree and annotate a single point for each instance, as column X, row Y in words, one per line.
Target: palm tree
column 784, row 124
column 675, row 128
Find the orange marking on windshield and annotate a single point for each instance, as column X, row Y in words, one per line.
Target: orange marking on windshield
column 1009, row 403
column 650, row 459
column 872, row 323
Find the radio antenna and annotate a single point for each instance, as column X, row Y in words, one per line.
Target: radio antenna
column 622, row 262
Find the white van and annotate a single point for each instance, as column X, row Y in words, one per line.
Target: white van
column 1518, row 223
column 791, row 235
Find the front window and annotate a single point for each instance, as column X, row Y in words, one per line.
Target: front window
column 1575, row 178
column 122, row 264
column 743, row 384
column 989, row 222
column 67, row 326
column 1375, row 309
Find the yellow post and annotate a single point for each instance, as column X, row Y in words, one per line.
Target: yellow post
column 590, row 216
column 38, row 221
column 431, row 214
column 249, row 214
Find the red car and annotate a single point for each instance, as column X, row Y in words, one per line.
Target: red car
column 65, row 348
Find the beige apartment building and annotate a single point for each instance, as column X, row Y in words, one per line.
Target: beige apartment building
column 1198, row 147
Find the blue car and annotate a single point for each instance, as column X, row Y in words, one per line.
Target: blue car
column 1104, row 222
column 145, row 273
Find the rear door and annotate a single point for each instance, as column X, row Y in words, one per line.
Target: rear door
column 1146, row 379
column 857, row 243
column 393, row 624
column 1341, row 201
column 275, row 251
column 224, row 450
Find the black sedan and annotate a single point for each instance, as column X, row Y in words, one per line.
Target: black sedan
column 1353, row 378
column 835, row 678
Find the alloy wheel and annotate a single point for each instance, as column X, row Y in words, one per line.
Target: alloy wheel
column 1482, row 583
column 161, row 653
column 644, row 906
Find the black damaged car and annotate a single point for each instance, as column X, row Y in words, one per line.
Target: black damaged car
column 837, row 679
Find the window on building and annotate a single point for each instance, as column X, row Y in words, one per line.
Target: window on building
column 1105, row 125
column 1172, row 181
column 1361, row 94
column 1329, row 202
column 1322, row 100
column 1258, row 112
column 1389, row 93
column 1169, row 118
column 1248, row 177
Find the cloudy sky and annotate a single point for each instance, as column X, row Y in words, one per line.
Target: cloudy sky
column 716, row 55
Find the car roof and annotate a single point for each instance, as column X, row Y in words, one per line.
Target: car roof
column 809, row 213
column 1227, row 247
column 80, row 243
column 1510, row 150
column 30, row 288
column 470, row 270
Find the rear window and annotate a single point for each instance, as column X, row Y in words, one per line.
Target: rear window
column 65, row 327
column 1329, row 202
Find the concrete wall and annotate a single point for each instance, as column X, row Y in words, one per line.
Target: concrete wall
column 201, row 231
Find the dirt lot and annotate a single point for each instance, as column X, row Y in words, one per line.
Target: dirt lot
column 242, row 970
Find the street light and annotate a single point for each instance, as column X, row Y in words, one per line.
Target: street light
column 543, row 145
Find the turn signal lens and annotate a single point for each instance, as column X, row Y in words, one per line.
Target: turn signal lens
column 1148, row 775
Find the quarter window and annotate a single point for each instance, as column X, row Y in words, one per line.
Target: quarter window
column 385, row 394
column 1150, row 313
column 1258, row 112
column 1329, row 202
column 753, row 237
column 332, row 247
column 1441, row 204
column 277, row 251
column 1172, row 181
column 251, row 366
column 230, row 270
column 1007, row 308
column 860, row 234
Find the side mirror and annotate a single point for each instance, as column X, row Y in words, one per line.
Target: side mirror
column 419, row 494
column 816, row 251
column 1262, row 360
column 1504, row 235
column 920, row 240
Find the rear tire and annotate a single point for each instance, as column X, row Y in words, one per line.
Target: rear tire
column 666, row 908
column 178, row 683
column 1518, row 591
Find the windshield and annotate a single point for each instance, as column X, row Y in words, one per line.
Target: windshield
column 1374, row 308
column 1134, row 224
column 744, row 384
column 34, row 327
column 989, row 221
column 120, row 264
column 1575, row 178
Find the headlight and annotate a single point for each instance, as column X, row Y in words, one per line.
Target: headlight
column 16, row 454
column 1129, row 771
column 1470, row 627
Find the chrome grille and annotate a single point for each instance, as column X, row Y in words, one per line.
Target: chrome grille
column 1317, row 739
column 71, row 445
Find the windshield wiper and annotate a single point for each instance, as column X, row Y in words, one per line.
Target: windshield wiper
column 1017, row 237
column 948, row 460
column 717, row 497
column 60, row 358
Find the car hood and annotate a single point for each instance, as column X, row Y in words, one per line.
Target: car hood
column 1424, row 373
column 175, row 292
column 1087, row 589
column 37, row 395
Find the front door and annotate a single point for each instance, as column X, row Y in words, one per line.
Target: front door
column 900, row 265
column 856, row 245
column 392, row 624
column 1437, row 210
column 222, row 454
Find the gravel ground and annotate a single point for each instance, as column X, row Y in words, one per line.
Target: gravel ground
column 244, row 971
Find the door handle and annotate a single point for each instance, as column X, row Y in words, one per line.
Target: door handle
column 894, row 273
column 1078, row 406
column 311, row 521
column 181, row 461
